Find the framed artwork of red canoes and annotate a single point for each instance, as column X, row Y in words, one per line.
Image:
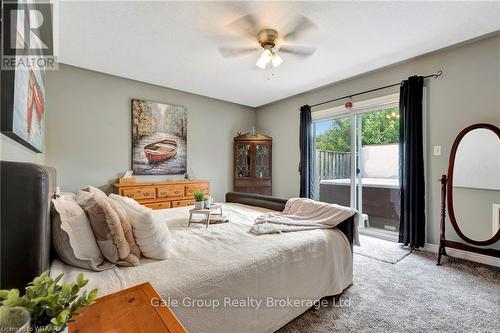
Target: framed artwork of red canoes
column 159, row 133
column 23, row 84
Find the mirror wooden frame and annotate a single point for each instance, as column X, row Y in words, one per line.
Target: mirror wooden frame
column 447, row 199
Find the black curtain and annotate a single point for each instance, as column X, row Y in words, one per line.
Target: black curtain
column 306, row 166
column 411, row 159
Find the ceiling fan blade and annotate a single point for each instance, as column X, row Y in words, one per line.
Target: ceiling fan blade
column 231, row 52
column 301, row 25
column 301, row 51
column 246, row 25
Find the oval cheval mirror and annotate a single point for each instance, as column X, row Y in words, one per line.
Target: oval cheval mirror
column 471, row 190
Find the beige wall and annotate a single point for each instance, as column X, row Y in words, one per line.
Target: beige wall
column 88, row 121
column 10, row 150
column 467, row 93
column 88, row 134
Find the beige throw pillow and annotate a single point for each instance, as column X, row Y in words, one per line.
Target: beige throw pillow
column 72, row 236
column 127, row 228
column 99, row 194
column 107, row 229
column 151, row 232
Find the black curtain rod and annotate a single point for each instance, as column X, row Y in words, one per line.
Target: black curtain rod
column 435, row 75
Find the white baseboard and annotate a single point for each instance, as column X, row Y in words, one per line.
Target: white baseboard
column 481, row 258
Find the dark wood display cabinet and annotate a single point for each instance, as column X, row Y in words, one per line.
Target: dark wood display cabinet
column 253, row 163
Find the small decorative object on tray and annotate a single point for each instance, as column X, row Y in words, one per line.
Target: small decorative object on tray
column 209, row 201
column 212, row 215
column 199, row 198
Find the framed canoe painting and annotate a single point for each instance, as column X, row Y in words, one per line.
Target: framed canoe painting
column 159, row 134
column 23, row 107
column 23, row 89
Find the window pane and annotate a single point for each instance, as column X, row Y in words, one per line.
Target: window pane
column 262, row 160
column 375, row 189
column 243, row 161
column 378, row 161
column 333, row 160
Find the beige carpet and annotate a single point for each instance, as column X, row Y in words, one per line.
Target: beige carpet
column 380, row 249
column 413, row 295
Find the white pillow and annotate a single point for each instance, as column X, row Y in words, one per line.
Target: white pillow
column 151, row 233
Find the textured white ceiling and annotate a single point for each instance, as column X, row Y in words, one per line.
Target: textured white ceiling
column 174, row 44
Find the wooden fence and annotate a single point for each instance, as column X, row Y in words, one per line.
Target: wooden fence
column 333, row 165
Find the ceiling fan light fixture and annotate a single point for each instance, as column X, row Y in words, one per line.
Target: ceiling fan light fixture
column 276, row 59
column 264, row 59
column 270, row 41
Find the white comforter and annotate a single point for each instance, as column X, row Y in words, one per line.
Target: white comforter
column 226, row 279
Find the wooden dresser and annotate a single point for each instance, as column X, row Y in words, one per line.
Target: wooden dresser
column 161, row 195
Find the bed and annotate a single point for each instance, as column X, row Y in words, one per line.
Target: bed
column 221, row 279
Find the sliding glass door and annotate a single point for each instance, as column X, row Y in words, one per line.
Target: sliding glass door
column 377, row 159
column 334, row 160
column 357, row 163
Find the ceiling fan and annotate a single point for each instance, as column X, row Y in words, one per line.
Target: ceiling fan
column 270, row 42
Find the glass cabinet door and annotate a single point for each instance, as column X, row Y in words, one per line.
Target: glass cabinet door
column 262, row 160
column 243, row 160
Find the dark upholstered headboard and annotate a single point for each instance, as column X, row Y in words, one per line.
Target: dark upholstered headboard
column 347, row 227
column 26, row 191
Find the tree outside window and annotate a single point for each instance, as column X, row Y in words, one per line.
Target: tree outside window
column 379, row 127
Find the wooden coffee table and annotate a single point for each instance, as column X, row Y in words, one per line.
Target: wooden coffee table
column 208, row 212
column 127, row 311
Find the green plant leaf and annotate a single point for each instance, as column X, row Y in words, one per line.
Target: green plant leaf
column 198, row 196
column 92, row 295
column 12, row 298
column 4, row 293
column 58, row 278
column 51, row 302
column 63, row 316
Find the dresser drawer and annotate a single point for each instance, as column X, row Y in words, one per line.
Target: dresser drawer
column 182, row 203
column 140, row 193
column 170, row 191
column 158, row 205
column 190, row 189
